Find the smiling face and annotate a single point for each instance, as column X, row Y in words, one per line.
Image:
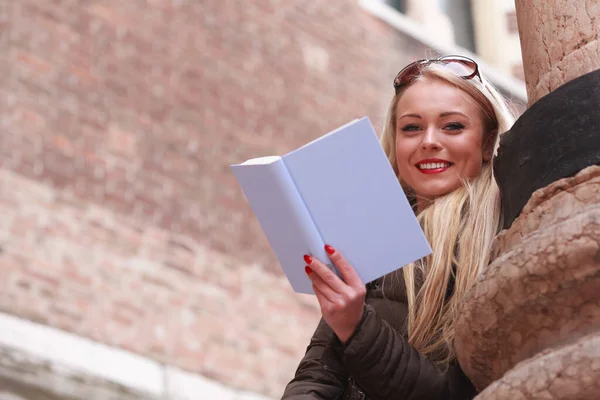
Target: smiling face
column 439, row 138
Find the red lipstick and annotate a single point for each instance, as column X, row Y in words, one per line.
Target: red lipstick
column 432, row 166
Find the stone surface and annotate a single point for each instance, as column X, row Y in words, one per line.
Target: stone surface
column 31, row 377
column 528, row 328
column 559, row 42
column 541, row 287
column 570, row 372
column 42, row 363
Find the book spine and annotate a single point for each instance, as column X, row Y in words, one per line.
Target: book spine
column 313, row 238
column 304, row 222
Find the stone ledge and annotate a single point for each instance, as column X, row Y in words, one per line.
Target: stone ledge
column 39, row 362
column 27, row 376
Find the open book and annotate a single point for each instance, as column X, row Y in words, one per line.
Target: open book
column 339, row 189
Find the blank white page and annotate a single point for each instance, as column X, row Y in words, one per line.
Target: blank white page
column 356, row 202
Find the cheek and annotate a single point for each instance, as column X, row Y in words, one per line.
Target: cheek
column 402, row 156
column 473, row 169
column 471, row 152
column 473, row 164
column 405, row 174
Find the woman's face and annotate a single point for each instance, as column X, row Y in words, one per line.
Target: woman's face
column 439, row 138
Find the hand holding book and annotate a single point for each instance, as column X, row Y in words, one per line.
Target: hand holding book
column 341, row 300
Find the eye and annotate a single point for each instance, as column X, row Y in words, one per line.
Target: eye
column 454, row 126
column 410, row 128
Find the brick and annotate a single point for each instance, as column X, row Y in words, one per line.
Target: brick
column 121, row 219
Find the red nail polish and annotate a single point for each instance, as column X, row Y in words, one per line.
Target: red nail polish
column 330, row 250
column 308, row 270
column 307, row 259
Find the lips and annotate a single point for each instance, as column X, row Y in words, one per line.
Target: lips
column 433, row 166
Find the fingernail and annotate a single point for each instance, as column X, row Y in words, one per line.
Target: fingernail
column 308, row 259
column 329, row 249
column 308, row 270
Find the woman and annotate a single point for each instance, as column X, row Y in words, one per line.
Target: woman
column 394, row 339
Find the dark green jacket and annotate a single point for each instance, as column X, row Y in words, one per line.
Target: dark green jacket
column 376, row 363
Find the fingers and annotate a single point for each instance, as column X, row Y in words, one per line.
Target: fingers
column 327, row 305
column 320, row 298
column 341, row 304
column 325, row 274
column 348, row 273
column 322, row 288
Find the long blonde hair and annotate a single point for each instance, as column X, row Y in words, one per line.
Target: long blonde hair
column 460, row 226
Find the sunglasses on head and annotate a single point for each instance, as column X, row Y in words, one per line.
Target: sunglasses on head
column 461, row 66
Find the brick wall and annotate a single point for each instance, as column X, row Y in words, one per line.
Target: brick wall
column 121, row 221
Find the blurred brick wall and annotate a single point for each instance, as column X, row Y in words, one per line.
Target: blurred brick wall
column 121, row 221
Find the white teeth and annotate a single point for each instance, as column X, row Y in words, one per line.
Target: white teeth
column 434, row 165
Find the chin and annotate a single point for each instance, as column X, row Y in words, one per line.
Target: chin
column 432, row 194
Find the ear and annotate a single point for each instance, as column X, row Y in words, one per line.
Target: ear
column 488, row 144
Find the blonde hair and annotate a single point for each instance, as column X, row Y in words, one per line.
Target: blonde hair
column 460, row 226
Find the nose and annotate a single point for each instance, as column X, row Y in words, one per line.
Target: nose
column 431, row 140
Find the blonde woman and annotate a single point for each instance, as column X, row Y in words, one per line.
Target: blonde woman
column 394, row 338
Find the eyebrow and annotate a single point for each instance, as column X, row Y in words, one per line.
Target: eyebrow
column 444, row 114
column 410, row 115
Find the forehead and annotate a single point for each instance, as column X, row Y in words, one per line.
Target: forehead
column 435, row 96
